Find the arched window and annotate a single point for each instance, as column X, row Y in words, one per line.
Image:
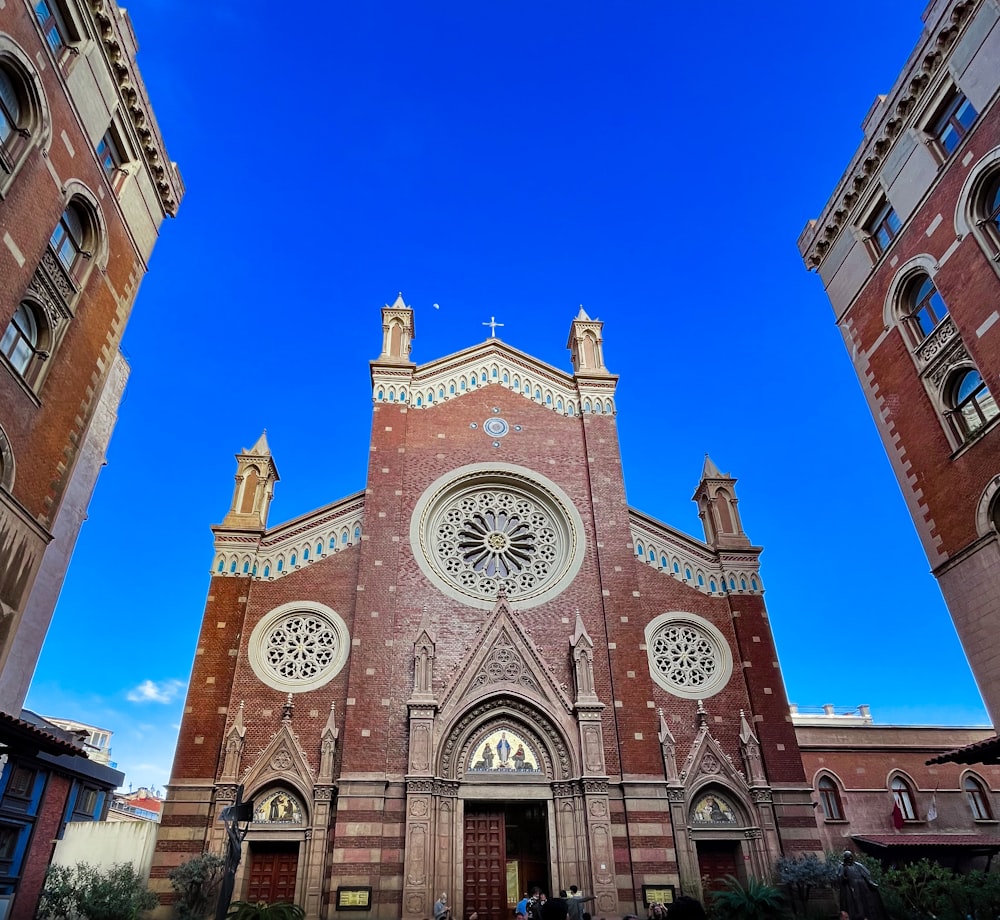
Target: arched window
column 979, row 800
column 292, row 559
column 639, row 550
column 22, row 339
column 971, row 402
column 829, row 799
column 53, row 26
column 923, row 306
column 11, row 111
column 69, row 240
column 903, row 797
column 988, row 209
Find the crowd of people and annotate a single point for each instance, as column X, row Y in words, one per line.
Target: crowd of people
column 571, row 905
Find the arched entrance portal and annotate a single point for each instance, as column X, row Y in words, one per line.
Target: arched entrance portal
column 505, row 853
column 508, row 806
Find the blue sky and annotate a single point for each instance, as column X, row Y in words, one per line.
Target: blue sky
column 653, row 163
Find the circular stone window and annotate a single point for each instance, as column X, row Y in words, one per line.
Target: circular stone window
column 492, row 526
column 688, row 656
column 298, row 647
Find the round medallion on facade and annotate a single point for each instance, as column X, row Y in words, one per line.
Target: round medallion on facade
column 688, row 656
column 496, row 427
column 298, row 647
column 491, row 527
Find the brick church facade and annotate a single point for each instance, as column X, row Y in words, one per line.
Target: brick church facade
column 485, row 671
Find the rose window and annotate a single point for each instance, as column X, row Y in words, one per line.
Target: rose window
column 301, row 647
column 684, row 655
column 495, row 530
column 688, row 655
column 496, row 539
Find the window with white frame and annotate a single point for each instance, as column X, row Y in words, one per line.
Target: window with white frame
column 903, row 797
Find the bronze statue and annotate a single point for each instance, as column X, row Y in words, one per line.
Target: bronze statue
column 859, row 897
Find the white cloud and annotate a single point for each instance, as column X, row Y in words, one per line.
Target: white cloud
column 150, row 691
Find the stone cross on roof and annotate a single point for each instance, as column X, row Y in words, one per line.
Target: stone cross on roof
column 493, row 326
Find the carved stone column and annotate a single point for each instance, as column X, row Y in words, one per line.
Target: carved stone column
column 595, row 806
column 419, row 851
column 687, row 857
column 421, row 801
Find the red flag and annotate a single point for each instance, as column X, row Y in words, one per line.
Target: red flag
column 897, row 816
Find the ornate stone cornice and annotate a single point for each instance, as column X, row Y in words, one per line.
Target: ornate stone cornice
column 896, row 111
column 293, row 536
column 166, row 178
column 692, row 555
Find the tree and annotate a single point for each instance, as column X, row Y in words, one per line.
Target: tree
column 754, row 901
column 86, row 892
column 197, row 885
column 802, row 874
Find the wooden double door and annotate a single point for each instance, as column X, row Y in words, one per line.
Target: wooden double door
column 506, row 851
column 273, row 870
column 718, row 859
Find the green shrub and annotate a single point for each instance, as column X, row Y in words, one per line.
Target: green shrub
column 197, row 885
column 85, row 892
column 754, row 901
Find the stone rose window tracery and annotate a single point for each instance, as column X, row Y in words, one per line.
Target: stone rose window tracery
column 684, row 655
column 687, row 655
column 495, row 530
column 298, row 647
column 301, row 647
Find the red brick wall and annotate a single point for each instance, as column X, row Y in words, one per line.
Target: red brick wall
column 49, row 434
column 969, row 283
column 43, row 841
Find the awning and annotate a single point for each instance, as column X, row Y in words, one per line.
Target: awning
column 875, row 842
column 984, row 752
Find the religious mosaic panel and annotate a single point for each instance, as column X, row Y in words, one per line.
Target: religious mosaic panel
column 277, row 807
column 712, row 808
column 504, row 751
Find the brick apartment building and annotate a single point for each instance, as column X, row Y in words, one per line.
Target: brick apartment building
column 908, row 248
column 886, row 790
column 85, row 183
column 485, row 671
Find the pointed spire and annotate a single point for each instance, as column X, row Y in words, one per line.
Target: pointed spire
column 580, row 632
column 397, row 333
column 665, row 735
column 287, row 709
column 702, row 715
column 586, row 345
column 718, row 508
column 331, row 722
column 256, row 475
column 238, row 725
column 746, row 732
column 261, row 447
column 710, row 470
